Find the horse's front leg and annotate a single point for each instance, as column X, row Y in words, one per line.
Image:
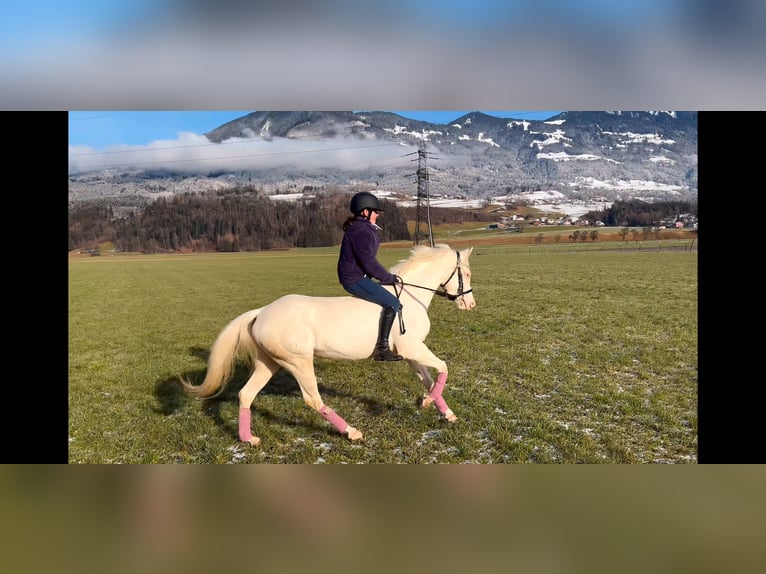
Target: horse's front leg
column 423, row 374
column 433, row 395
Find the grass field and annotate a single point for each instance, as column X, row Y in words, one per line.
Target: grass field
column 571, row 356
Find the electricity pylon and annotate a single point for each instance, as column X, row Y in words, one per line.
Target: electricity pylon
column 423, row 230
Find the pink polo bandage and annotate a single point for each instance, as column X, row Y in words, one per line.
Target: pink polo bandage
column 245, row 434
column 333, row 418
column 436, row 393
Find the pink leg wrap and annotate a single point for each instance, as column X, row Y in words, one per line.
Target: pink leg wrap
column 333, row 418
column 245, row 434
column 438, row 387
column 436, row 393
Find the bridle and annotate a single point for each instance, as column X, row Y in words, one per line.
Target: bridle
column 443, row 286
column 442, row 292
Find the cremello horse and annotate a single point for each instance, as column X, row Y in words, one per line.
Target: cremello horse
column 289, row 332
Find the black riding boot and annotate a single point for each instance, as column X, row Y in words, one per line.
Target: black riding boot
column 382, row 351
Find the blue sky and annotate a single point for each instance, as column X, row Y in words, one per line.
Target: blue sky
column 101, row 129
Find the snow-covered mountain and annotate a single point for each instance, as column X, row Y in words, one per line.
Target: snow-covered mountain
column 580, row 155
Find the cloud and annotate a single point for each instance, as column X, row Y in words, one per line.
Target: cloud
column 194, row 153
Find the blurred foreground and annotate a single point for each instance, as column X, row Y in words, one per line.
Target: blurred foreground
column 336, row 54
column 375, row 519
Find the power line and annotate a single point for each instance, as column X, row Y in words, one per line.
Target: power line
column 218, row 158
column 138, row 148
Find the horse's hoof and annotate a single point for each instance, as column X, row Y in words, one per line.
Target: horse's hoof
column 255, row 441
column 424, row 401
column 449, row 416
column 354, row 434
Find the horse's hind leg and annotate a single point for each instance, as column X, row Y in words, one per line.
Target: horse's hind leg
column 303, row 371
column 264, row 369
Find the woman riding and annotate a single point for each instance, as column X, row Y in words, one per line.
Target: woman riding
column 358, row 266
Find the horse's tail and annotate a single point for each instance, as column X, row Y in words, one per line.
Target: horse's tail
column 234, row 341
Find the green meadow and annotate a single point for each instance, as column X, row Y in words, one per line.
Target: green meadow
column 569, row 357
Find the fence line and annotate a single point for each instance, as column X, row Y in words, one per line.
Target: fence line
column 576, row 247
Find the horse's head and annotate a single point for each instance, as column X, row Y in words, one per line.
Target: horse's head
column 457, row 287
column 454, row 272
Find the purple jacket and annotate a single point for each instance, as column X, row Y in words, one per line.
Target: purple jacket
column 358, row 252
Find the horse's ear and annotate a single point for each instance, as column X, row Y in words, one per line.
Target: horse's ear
column 467, row 252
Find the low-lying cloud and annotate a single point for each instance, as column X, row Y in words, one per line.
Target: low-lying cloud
column 194, row 153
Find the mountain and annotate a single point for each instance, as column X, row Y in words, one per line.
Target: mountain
column 616, row 155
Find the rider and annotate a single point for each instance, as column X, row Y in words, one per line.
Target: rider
column 358, row 266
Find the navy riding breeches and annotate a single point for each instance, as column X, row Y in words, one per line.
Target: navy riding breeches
column 372, row 291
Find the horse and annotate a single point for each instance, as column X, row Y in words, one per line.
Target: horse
column 291, row 331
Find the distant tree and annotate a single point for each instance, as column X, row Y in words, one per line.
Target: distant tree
column 646, row 231
column 593, row 234
column 539, row 238
column 636, row 212
column 226, row 243
column 624, row 232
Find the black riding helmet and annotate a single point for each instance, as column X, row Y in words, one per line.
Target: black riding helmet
column 364, row 200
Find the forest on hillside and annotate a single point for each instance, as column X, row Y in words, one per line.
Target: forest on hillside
column 244, row 219
column 239, row 219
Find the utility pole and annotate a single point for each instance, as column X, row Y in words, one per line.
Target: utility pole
column 423, row 230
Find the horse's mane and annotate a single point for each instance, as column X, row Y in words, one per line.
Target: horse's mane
column 420, row 254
